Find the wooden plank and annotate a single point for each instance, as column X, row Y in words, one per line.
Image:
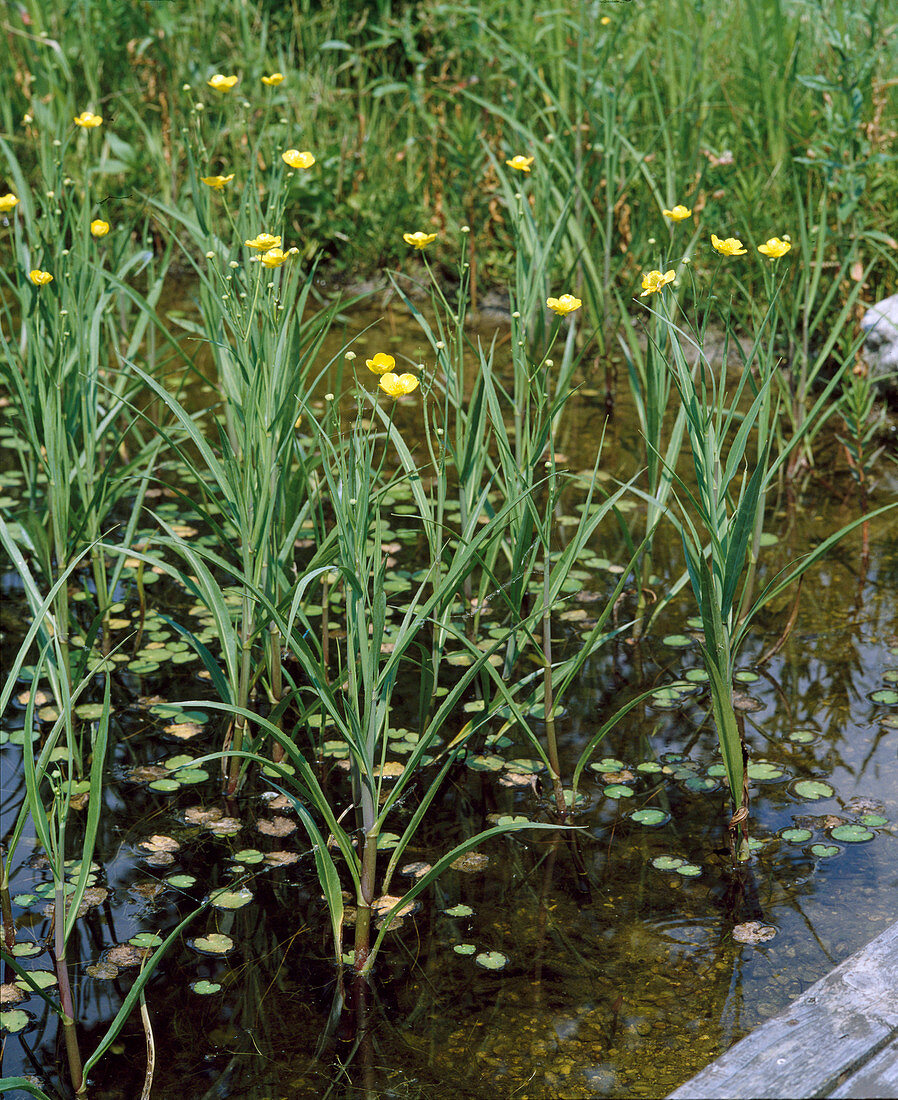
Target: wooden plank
column 845, row 1023
column 875, row 1080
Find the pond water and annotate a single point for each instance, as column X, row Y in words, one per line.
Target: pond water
column 619, row 972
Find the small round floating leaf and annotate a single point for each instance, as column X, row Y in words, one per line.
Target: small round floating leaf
column 25, row 950
column 231, row 899
column 464, row 948
column 677, row 641
column 165, row 786
column 146, row 939
column 181, row 882
column 648, row 767
column 89, row 710
column 609, row 764
column 813, row 789
column 746, row 676
column 192, row 775
column 650, row 816
column 763, row 771
column 696, row 675
column 249, row 855
column 802, row 737
column 43, row 979
column 890, row 675
column 23, row 901
column 459, row 911
column 699, row 784
column 525, row 767
column 491, row 960
column 796, row 836
column 216, row 943
column 617, row 790
column 204, row 988
column 14, row 1020
column 488, row 763
column 874, row 821
column 825, row 851
column 852, row 834
column 667, row 863
column 717, row 771
column 689, row 870
column 886, row 697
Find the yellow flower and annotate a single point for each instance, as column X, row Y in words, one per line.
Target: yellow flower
column 564, row 305
column 99, row 228
column 264, row 242
column 729, row 247
column 222, row 83
column 7, row 202
column 217, row 183
column 654, row 281
column 775, row 247
column 397, row 385
column 520, row 164
column 273, row 80
column 678, row 214
column 274, row 257
column 381, row 363
column 419, row 240
column 605, row 20
column 88, row 121
column 40, row 278
column 296, row 159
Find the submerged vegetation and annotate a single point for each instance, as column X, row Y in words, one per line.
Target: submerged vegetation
column 355, row 577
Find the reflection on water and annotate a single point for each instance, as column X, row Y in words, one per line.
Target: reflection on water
column 622, row 979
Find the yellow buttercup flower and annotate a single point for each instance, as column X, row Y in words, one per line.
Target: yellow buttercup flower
column 520, row 163
column 419, row 240
column 217, row 183
column 40, row 278
column 397, row 385
column 222, row 83
column 679, row 213
column 775, row 247
column 88, row 120
column 99, row 228
column 264, row 242
column 605, row 20
column 381, row 363
column 7, row 202
column 564, row 305
column 274, row 257
column 729, row 247
column 273, row 80
column 296, row 159
column 654, row 281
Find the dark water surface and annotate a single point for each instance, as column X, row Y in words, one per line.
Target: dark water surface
column 622, row 979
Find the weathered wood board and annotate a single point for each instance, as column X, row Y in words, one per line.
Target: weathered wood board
column 838, row 1039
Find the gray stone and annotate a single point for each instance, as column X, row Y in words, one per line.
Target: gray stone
column 880, row 325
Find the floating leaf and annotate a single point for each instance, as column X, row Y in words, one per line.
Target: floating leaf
column 181, row 882
column 491, row 960
column 696, row 675
column 146, row 939
column 165, row 786
column 231, row 899
column 796, row 836
column 852, row 834
column 813, row 789
column 699, row 784
column 464, row 948
column 216, row 943
column 648, row 767
column 650, row 816
column 763, row 771
column 677, row 641
column 14, row 1020
column 874, row 821
column 617, row 790
column 249, row 855
column 608, row 764
column 886, row 697
column 43, row 979
column 26, row 950
column 802, row 737
column 204, row 988
column 667, row 863
column 688, row 870
column 825, row 851
column 459, row 911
